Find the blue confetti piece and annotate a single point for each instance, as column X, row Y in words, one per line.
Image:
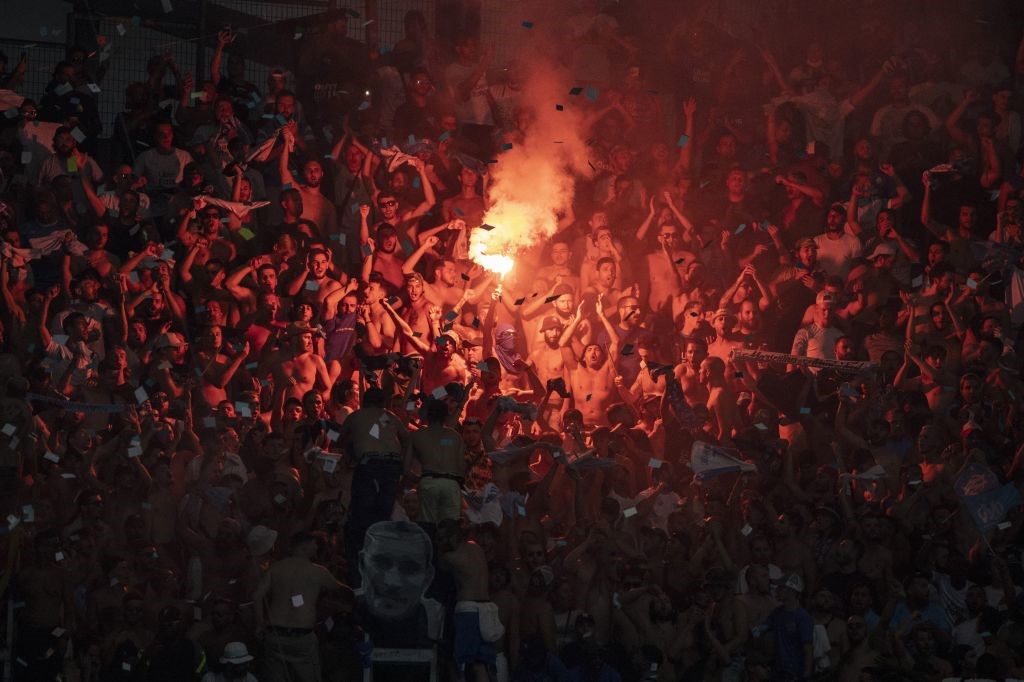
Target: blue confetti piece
column 268, row 116
column 412, row 139
column 416, row 181
column 742, row 227
column 458, row 211
column 366, row 250
column 559, row 107
column 575, row 91
column 385, row 49
column 407, row 246
column 527, row 24
column 384, row 142
column 364, row 106
column 44, row 31
column 137, row 20
column 507, row 146
column 451, row 315
column 281, row 119
column 683, row 141
column 329, row 156
column 354, row 208
column 592, row 93
column 444, row 136
column 286, row 185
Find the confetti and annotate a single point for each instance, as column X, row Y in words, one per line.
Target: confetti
column 520, row 301
column 246, row 234
column 121, row 30
column 575, row 91
column 805, row 410
column 592, row 93
column 527, row 24
column 374, row 431
column 746, row 530
column 332, row 435
column 140, row 395
column 507, row 146
column 655, row 463
column 559, row 107
column 683, row 141
column 9, row 429
column 627, row 349
column 741, row 227
column 628, row 513
column 62, row 89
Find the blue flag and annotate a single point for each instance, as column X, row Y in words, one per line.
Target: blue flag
column 984, row 499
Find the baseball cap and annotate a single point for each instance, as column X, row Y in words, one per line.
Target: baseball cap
column 882, row 250
column 793, row 582
column 169, row 340
column 824, row 298
column 721, row 312
column 806, row 241
column 550, row 322
column 236, row 652
column 561, row 289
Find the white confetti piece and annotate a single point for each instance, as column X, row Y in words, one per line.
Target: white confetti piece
column 655, row 463
column 8, row 429
column 746, row 530
column 297, row 600
column 375, row 431
column 140, row 395
column 627, row 513
column 52, row 457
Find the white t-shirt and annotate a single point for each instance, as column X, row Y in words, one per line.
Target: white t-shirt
column 162, row 171
column 476, row 109
column 836, row 256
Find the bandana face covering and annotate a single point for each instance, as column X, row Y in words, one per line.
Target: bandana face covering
column 505, row 347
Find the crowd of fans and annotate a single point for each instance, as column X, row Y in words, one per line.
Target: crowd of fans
column 264, row 419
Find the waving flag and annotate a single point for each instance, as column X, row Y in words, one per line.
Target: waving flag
column 708, row 461
column 985, row 500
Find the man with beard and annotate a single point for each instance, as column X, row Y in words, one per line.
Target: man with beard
column 314, row 283
column 264, row 274
column 688, row 372
column 406, row 222
column 65, row 161
column 286, row 607
column 386, row 258
column 444, row 289
column 442, row 363
column 122, row 209
column 417, row 313
column 316, row 208
column 837, row 248
column 549, row 360
column 628, row 334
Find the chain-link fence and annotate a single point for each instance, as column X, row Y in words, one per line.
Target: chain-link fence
column 42, row 57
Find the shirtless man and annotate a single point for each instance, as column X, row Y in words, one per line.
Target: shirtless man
column 441, row 455
column 725, row 418
column 263, row 272
column 285, row 602
column 476, row 616
column 605, row 282
column 405, row 223
column 377, row 442
column 417, row 313
column 592, row 377
column 722, row 345
column 316, row 207
column 688, row 373
column 549, row 360
column 296, row 368
column 441, row 362
column 663, row 267
column 444, row 290
column 217, row 368
column 314, row 281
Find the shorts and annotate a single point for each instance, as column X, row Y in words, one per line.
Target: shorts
column 440, row 499
column 470, row 646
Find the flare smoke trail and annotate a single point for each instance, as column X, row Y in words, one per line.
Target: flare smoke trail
column 532, row 184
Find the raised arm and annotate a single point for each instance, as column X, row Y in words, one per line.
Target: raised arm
column 90, row 194
column 641, row 231
column 429, row 198
column 685, row 161
column 285, row 157
column 953, row 120
column 409, row 266
column 225, row 37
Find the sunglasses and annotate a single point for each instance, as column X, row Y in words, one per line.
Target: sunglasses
column 387, row 204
